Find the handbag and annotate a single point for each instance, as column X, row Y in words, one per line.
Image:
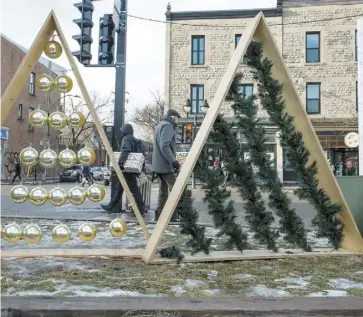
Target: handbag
column 133, row 164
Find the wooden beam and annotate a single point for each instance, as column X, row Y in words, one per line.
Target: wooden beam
column 32, row 253
column 28, row 63
column 220, row 256
column 200, row 140
column 98, row 125
column 295, row 107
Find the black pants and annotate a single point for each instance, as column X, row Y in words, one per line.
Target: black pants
column 17, row 174
column 166, row 183
column 131, row 180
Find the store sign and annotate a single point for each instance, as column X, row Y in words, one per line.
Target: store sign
column 4, row 134
column 181, row 157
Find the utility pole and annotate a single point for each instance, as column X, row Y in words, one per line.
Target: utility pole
column 120, row 84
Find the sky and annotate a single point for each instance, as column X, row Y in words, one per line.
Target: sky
column 22, row 19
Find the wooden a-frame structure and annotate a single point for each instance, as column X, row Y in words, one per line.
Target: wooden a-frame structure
column 257, row 30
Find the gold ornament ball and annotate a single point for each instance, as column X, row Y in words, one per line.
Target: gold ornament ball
column 57, row 120
column 77, row 196
column 61, row 233
column 19, row 194
column 32, row 233
column 76, row 119
column 12, row 233
column 63, row 83
column 38, row 196
column 67, row 158
column 29, row 156
column 53, row 49
column 118, row 227
column 87, row 232
column 86, row 156
column 58, row 196
column 38, row 118
column 48, row 158
column 44, row 83
column 96, row 193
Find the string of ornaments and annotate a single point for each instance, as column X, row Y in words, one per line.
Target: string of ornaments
column 48, row 158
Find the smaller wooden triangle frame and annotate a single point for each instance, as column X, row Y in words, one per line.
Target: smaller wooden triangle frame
column 258, row 30
column 21, row 76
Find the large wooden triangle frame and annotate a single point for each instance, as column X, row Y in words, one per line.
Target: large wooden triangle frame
column 257, row 30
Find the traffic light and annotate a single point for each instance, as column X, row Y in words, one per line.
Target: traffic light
column 188, row 133
column 107, row 40
column 84, row 39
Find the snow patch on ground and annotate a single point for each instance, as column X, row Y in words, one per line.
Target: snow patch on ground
column 344, row 283
column 262, row 290
column 328, row 293
column 242, row 276
column 299, row 282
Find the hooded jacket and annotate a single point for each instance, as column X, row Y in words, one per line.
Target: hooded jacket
column 164, row 147
column 128, row 142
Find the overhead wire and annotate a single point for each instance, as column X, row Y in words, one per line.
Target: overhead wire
column 238, row 26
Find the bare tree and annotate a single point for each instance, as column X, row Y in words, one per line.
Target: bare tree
column 148, row 116
column 76, row 137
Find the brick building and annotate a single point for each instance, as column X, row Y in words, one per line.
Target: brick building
column 318, row 42
column 16, row 132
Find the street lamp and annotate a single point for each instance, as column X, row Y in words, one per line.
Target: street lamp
column 188, row 109
column 205, row 107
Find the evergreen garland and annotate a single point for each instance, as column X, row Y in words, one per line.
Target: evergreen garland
column 216, row 196
column 189, row 226
column 258, row 218
column 270, row 94
column 291, row 225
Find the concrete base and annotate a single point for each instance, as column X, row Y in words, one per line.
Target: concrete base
column 137, row 306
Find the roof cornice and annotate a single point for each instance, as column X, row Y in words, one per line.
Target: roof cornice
column 221, row 14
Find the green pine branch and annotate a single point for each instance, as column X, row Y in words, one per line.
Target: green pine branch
column 270, row 93
column 258, row 218
column 291, row 225
column 223, row 216
column 189, row 226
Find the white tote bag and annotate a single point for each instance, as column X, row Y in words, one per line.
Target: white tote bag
column 133, row 164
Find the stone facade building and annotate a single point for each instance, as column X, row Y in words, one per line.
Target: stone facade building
column 16, row 132
column 318, row 42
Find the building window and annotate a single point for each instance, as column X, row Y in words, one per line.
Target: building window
column 237, row 37
column 32, row 84
column 196, row 97
column 246, row 90
column 313, row 47
column 356, row 46
column 313, row 98
column 31, row 128
column 20, row 111
column 198, row 49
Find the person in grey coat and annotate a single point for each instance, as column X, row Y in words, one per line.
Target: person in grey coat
column 129, row 144
column 164, row 162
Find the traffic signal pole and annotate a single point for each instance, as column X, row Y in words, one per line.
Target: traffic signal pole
column 120, row 86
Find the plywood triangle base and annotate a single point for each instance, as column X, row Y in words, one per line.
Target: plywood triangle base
column 258, row 31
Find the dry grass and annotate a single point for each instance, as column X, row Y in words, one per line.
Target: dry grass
column 158, row 279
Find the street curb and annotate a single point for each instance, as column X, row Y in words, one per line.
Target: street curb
column 137, row 306
column 31, row 183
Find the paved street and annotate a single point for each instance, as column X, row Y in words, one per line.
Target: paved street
column 92, row 211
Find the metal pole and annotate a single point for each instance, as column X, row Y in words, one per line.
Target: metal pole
column 194, row 135
column 120, row 85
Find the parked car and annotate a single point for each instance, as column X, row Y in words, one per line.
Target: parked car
column 97, row 173
column 71, row 174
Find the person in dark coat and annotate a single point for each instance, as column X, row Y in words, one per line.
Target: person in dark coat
column 129, row 144
column 86, row 171
column 164, row 162
column 17, row 171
